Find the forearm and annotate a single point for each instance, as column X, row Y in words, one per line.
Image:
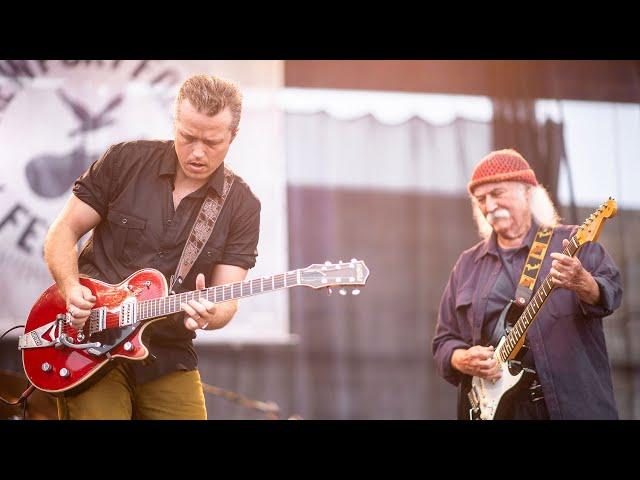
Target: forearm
column 61, row 255
column 456, row 359
column 443, row 347
column 587, row 289
column 223, row 314
column 606, row 294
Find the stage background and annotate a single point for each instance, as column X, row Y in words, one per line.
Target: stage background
column 365, row 159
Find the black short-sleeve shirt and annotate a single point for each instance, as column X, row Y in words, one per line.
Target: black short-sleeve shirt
column 131, row 187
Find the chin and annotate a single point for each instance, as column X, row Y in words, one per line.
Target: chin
column 196, row 176
column 199, row 176
column 501, row 226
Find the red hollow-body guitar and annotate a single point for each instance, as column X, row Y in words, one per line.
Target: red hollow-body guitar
column 57, row 357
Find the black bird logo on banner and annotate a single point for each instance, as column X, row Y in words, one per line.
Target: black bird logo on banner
column 51, row 175
column 88, row 122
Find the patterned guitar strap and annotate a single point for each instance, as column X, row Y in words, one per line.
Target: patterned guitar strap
column 527, row 282
column 524, row 292
column 532, row 266
column 201, row 230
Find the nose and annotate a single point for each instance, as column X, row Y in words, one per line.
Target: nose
column 198, row 151
column 490, row 203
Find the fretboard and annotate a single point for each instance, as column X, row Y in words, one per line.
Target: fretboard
column 529, row 315
column 159, row 307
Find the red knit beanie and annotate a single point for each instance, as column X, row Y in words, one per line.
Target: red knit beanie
column 501, row 166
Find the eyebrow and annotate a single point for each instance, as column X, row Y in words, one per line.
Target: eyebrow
column 489, row 192
column 205, row 140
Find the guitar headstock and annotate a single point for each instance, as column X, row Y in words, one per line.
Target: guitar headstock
column 590, row 229
column 342, row 274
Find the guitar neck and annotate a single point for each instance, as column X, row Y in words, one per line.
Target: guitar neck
column 512, row 342
column 159, row 307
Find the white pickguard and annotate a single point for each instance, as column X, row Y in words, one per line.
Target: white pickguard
column 490, row 393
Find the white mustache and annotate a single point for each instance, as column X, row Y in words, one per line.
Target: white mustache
column 499, row 213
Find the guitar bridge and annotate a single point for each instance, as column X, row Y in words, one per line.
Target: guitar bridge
column 473, row 398
column 474, row 401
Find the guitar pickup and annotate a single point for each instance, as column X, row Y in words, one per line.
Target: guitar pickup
column 98, row 320
column 128, row 312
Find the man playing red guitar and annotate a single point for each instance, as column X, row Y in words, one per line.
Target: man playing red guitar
column 141, row 199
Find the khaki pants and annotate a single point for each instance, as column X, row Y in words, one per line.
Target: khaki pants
column 175, row 396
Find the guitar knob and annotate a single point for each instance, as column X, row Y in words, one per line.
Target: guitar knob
column 128, row 346
column 342, row 291
column 46, row 367
column 353, row 260
column 64, row 372
column 355, row 291
column 327, row 262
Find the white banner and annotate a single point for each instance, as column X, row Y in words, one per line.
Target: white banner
column 57, row 117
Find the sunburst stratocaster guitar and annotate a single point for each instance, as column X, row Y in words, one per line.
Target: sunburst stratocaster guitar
column 489, row 400
column 57, row 357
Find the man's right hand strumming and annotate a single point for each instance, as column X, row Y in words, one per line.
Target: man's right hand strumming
column 477, row 361
column 80, row 301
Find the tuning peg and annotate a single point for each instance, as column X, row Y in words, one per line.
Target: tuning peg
column 327, row 262
column 355, row 291
column 353, row 260
column 340, row 261
column 342, row 291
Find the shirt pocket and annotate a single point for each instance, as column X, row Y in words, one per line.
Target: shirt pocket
column 127, row 235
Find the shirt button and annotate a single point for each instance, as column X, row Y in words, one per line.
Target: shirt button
column 168, row 222
column 124, row 220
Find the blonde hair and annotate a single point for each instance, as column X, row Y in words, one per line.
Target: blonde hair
column 211, row 95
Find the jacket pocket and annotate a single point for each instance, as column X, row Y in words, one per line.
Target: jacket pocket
column 463, row 305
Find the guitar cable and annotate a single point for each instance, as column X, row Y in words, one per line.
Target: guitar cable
column 23, row 398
